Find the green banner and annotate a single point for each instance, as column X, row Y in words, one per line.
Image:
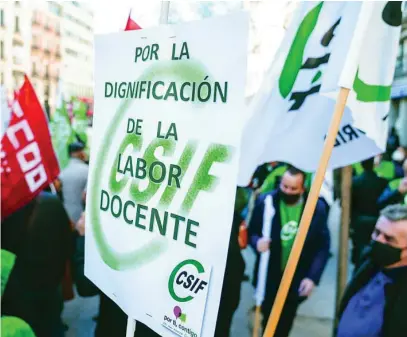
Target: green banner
column 62, row 134
column 80, row 120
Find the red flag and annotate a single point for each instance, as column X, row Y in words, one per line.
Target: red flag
column 131, row 24
column 28, row 161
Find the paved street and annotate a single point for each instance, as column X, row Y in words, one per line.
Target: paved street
column 314, row 319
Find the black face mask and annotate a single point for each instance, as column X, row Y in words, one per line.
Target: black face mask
column 290, row 199
column 384, row 255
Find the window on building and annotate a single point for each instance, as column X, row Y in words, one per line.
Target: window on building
column 2, row 17
column 17, row 24
column 34, row 69
column 1, row 50
column 2, row 78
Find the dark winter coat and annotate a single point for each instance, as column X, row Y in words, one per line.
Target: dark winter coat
column 314, row 256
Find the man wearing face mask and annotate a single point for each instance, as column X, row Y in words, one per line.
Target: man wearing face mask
column 288, row 204
column 375, row 302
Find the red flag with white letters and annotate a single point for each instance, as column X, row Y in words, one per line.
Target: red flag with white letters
column 28, row 161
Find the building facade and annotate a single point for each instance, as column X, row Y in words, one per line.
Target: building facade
column 15, row 43
column 51, row 42
column 46, row 51
column 77, row 49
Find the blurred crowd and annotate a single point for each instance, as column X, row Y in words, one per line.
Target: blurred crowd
column 43, row 245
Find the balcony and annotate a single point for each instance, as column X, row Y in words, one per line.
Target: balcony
column 18, row 65
column 17, row 38
column 36, row 73
column 36, row 46
column 17, row 42
column 36, row 22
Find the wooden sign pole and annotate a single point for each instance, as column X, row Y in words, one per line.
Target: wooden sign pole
column 307, row 215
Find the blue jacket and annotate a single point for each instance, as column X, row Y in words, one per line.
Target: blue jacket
column 390, row 196
column 315, row 253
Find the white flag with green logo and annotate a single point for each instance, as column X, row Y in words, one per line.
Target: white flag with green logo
column 61, row 131
column 328, row 45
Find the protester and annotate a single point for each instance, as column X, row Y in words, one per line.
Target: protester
column 261, row 174
column 288, row 203
column 11, row 326
column 74, row 179
column 40, row 237
column 56, row 188
column 396, row 192
column 366, row 189
column 385, row 166
column 375, row 301
column 234, row 272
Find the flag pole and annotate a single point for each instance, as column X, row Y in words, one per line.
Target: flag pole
column 165, row 8
column 346, row 201
column 307, row 215
column 131, row 327
column 256, row 327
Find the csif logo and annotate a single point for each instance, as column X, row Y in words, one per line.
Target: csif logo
column 186, row 280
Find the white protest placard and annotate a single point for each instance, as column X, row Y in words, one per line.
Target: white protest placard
column 164, row 159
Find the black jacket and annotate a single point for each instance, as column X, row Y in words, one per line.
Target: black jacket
column 39, row 234
column 395, row 310
column 366, row 189
column 112, row 320
column 390, row 197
